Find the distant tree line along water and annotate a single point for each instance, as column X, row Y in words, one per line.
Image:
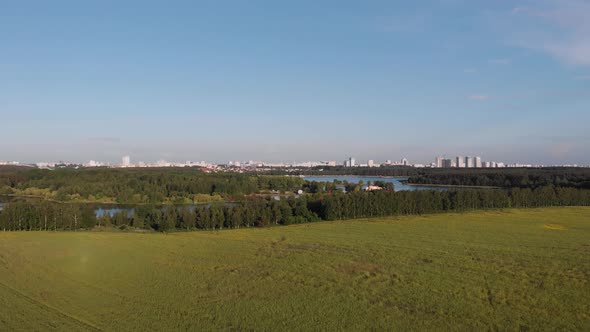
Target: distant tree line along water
column 45, row 215
column 398, row 171
column 139, row 186
column 509, row 178
column 496, row 177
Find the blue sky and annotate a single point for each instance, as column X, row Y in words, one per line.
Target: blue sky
column 299, row 80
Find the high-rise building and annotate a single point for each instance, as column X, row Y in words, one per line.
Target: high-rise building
column 126, row 161
column 469, row 162
column 460, row 162
column 371, row 163
column 438, row 161
column 478, row 162
column 352, row 161
column 447, row 163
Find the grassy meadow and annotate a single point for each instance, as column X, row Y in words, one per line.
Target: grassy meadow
column 490, row 270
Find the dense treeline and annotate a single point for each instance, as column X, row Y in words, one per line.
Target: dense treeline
column 380, row 203
column 25, row 215
column 507, row 177
column 11, row 175
column 401, row 171
column 264, row 212
column 173, row 185
column 46, row 215
column 496, row 177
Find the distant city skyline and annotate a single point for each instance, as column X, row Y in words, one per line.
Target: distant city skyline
column 351, row 162
column 305, row 80
column 463, row 161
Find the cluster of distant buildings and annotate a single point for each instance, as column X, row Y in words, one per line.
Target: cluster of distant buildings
column 476, row 162
column 126, row 163
column 6, row 163
column 240, row 166
column 351, row 162
column 464, row 162
column 258, row 164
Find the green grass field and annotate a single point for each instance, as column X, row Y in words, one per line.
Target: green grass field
column 494, row 270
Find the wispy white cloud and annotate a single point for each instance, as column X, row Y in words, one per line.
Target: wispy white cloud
column 559, row 28
column 479, row 97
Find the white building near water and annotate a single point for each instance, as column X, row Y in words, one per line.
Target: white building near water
column 372, row 188
column 350, row 162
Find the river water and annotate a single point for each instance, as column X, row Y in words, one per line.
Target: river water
column 397, row 182
column 102, row 209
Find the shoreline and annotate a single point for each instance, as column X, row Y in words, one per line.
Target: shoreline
column 450, row 186
column 358, row 176
column 403, row 182
column 41, row 198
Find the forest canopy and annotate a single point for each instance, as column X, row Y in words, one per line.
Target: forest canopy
column 507, row 177
column 258, row 212
column 140, row 186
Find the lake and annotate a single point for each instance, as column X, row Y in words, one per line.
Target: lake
column 102, row 209
column 111, row 209
column 397, row 182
